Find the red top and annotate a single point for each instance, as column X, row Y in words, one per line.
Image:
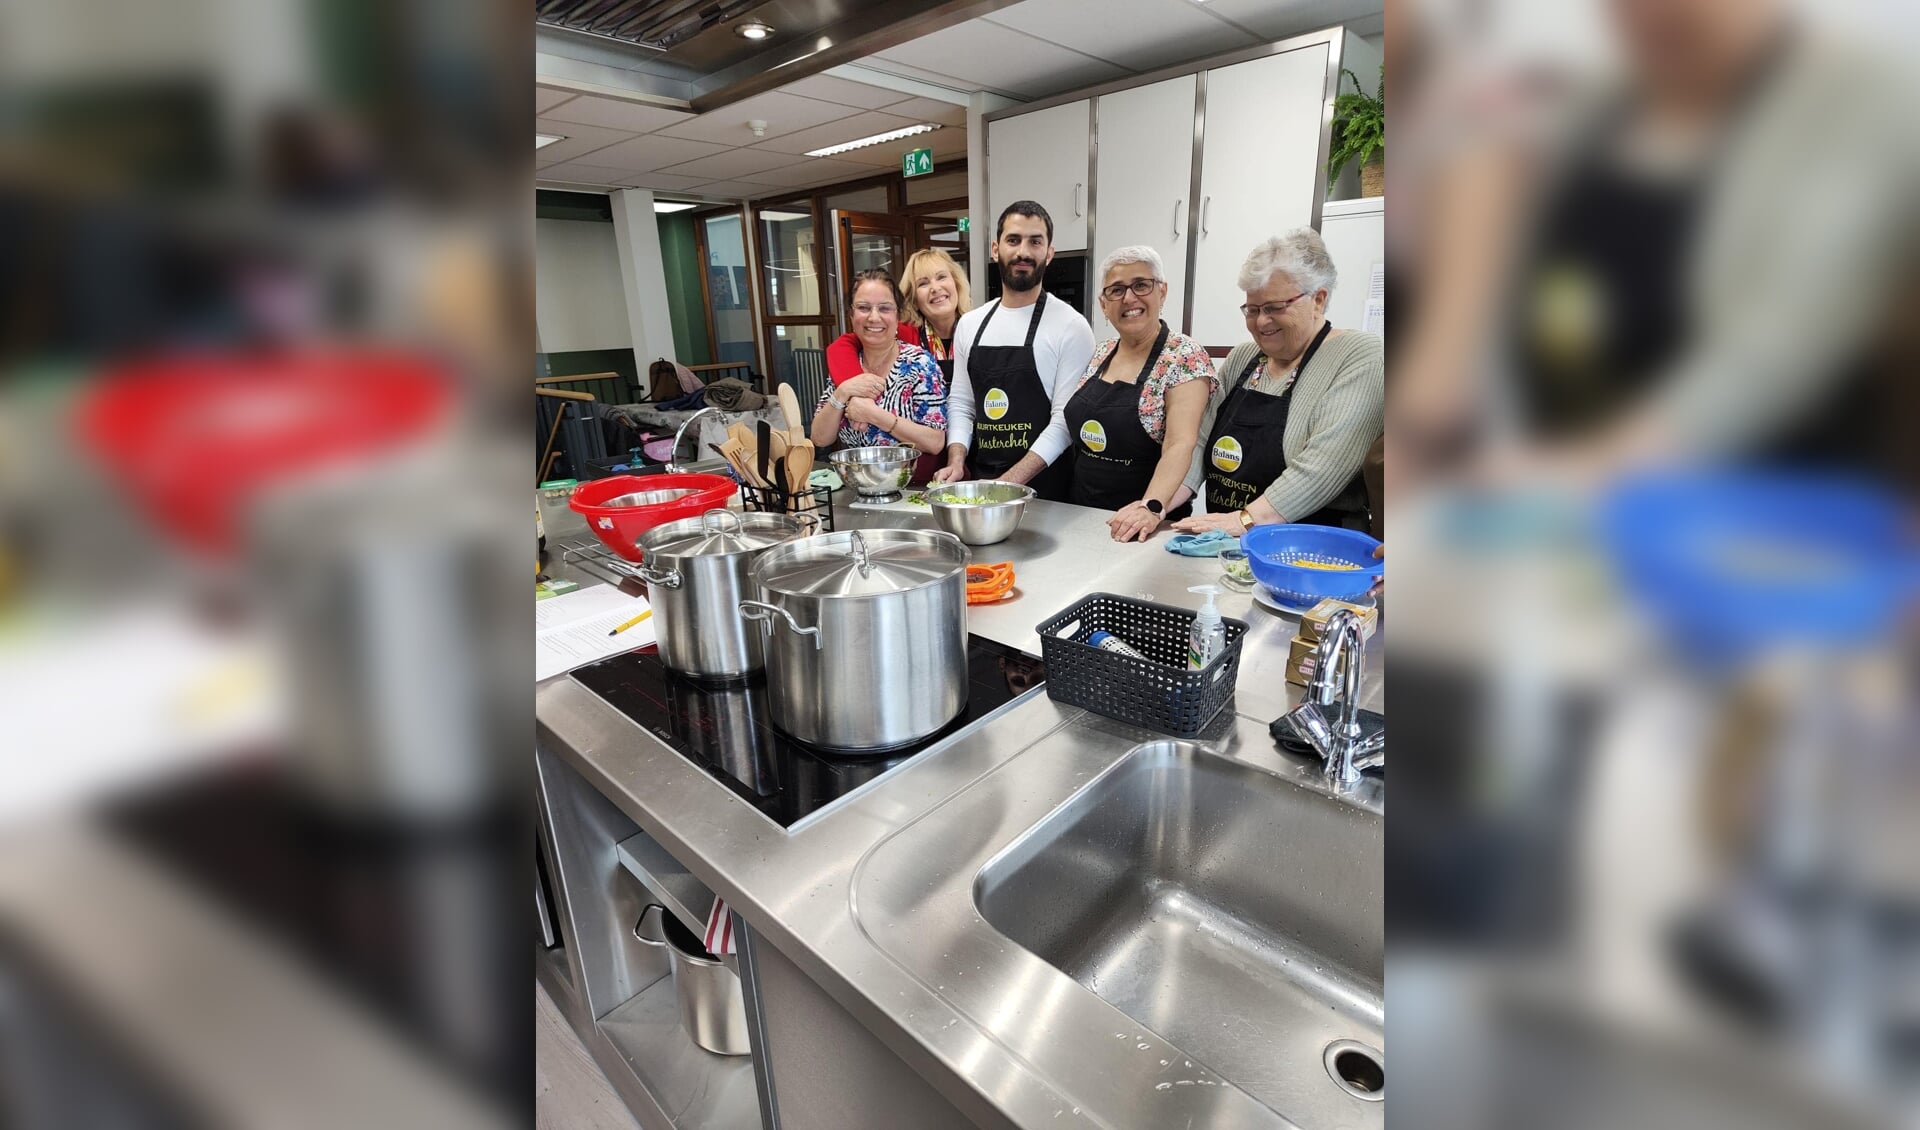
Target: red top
column 843, row 356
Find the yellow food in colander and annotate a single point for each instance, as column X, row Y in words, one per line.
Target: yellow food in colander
column 1331, row 566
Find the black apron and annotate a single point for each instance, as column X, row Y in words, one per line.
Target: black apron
column 1113, row 455
column 1247, row 452
column 1011, row 406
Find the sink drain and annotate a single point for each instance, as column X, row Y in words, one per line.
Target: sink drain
column 1358, row 1069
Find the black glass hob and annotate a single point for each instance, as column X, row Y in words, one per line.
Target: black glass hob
column 728, row 730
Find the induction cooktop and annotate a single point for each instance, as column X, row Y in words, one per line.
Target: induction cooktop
column 728, row 730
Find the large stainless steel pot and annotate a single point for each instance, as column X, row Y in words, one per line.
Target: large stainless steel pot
column 696, row 574
column 867, row 635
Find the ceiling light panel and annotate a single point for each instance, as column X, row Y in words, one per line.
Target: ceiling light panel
column 876, row 139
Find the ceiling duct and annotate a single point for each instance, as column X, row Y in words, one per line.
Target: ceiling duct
column 655, row 24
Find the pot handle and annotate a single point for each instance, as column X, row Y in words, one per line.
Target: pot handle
column 669, row 579
column 706, row 520
column 766, row 617
column 650, row 930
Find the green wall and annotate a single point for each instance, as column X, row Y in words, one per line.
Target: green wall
column 680, row 254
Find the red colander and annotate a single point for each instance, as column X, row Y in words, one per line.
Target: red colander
column 620, row 508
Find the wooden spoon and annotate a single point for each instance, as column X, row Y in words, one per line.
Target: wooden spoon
column 790, row 408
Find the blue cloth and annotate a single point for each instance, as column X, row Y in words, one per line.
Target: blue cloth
column 1208, row 544
column 695, row 399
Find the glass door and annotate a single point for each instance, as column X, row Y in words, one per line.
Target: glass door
column 793, row 284
column 723, row 250
column 868, row 240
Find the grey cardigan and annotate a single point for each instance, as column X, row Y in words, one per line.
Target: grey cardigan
column 1336, row 415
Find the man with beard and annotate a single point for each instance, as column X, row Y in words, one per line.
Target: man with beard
column 1016, row 363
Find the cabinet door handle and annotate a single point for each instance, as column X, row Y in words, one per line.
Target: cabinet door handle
column 1079, row 209
column 1204, row 201
column 1177, row 209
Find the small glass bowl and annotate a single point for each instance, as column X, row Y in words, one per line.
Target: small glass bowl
column 1236, row 570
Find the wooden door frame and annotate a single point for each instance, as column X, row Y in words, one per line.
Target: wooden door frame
column 748, row 225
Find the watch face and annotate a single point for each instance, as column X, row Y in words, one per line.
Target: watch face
column 1155, row 506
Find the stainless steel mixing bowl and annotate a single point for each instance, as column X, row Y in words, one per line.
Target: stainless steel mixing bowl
column 876, row 472
column 988, row 510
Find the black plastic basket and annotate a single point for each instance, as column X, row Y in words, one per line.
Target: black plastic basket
column 1157, row 692
column 774, row 500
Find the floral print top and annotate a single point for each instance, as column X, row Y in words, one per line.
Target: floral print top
column 916, row 391
column 1183, row 359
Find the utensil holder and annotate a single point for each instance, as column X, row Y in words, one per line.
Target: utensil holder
column 1157, row 692
column 817, row 501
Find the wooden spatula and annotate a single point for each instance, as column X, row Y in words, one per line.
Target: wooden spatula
column 790, row 408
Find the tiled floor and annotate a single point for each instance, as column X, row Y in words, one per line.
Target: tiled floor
column 570, row 1093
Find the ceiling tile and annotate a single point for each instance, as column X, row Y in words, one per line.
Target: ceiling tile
column 665, row 182
column 545, row 98
column 576, row 141
column 1278, row 21
column 580, row 172
column 1141, row 35
column 930, row 110
column 731, row 164
column 783, row 113
column 845, row 92
column 986, row 55
column 613, row 113
column 653, row 151
column 833, row 133
column 811, row 171
column 736, row 190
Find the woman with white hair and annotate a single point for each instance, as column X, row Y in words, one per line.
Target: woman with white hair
column 1135, row 417
column 1301, row 405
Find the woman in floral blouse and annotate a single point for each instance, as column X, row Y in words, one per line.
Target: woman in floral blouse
column 1135, row 419
column 900, row 397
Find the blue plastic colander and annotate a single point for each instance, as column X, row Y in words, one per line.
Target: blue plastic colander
column 1734, row 561
column 1271, row 548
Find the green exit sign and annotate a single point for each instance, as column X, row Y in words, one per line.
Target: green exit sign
column 917, row 163
column 966, row 225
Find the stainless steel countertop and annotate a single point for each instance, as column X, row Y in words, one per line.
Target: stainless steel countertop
column 796, row 889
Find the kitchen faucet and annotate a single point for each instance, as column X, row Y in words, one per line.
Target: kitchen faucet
column 1346, row 739
column 673, row 464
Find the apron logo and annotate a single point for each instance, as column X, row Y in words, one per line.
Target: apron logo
column 1227, row 455
column 1093, row 435
column 996, row 404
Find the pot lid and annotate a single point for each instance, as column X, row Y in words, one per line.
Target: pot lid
column 719, row 531
column 861, row 563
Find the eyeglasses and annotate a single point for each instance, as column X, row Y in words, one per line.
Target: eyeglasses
column 1271, row 309
column 864, row 309
column 1140, row 288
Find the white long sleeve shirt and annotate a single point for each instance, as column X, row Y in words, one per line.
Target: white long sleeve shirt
column 1061, row 349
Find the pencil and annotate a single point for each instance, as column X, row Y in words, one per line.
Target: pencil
column 631, row 622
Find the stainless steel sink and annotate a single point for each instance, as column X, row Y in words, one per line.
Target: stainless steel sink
column 1236, row 914
column 1164, row 932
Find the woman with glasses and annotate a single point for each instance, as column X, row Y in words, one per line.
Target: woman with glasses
column 1299, row 406
column 1135, row 417
column 900, row 395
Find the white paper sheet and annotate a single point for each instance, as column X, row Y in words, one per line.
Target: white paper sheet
column 1374, row 321
column 571, row 630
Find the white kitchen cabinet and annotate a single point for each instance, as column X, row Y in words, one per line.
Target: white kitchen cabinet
column 1355, row 232
column 1042, row 156
column 1144, row 174
column 1259, row 174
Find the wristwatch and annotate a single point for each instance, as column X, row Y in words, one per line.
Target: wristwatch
column 1246, row 521
column 1154, row 506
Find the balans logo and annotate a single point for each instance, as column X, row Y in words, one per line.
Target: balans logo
column 996, row 404
column 1226, row 454
column 1093, row 435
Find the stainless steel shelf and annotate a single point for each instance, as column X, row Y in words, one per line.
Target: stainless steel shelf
column 684, row 896
column 694, row 1088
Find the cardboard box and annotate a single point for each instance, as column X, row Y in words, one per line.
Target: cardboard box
column 1314, row 620
column 1300, row 660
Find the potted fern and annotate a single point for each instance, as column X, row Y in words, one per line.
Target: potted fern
column 1360, row 133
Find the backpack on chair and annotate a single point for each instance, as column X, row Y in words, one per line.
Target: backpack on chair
column 663, row 381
